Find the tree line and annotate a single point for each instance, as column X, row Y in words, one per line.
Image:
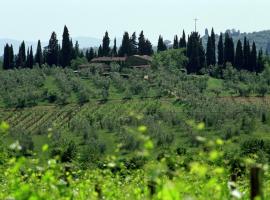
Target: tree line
column 54, row 54
column 242, row 57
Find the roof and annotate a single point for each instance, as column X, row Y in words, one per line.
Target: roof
column 109, row 59
column 145, row 57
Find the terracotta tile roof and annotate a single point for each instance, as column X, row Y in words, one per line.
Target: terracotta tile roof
column 145, row 57
column 109, row 59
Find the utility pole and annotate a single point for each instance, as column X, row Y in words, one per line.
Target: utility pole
column 196, row 24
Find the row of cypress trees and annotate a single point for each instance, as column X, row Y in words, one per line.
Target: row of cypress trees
column 53, row 54
column 130, row 46
column 243, row 57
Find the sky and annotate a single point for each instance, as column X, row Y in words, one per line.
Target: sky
column 35, row 19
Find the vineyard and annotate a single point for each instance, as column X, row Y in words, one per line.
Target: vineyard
column 32, row 120
column 157, row 133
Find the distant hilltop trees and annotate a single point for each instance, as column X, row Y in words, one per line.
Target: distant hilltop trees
column 218, row 50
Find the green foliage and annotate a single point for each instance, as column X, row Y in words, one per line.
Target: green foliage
column 75, row 63
column 172, row 59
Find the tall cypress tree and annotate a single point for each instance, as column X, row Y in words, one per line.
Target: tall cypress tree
column 106, row 45
column 39, row 56
column 11, row 57
column 213, row 41
column 87, row 54
column 52, row 51
column 27, row 58
column 239, row 56
column 148, row 50
column 175, row 42
column 6, row 62
column 195, row 53
column 210, row 60
column 134, row 44
column 114, row 50
column 21, row 57
column 161, row 45
column 31, row 58
column 183, row 42
column 77, row 49
column 246, row 55
column 228, row 49
column 125, row 49
column 220, row 50
column 90, row 55
column 253, row 58
column 141, row 44
column 100, row 51
column 66, row 51
column 260, row 62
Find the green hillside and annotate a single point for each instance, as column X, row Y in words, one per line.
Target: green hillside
column 133, row 133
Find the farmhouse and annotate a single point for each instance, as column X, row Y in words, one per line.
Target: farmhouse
column 135, row 61
column 103, row 64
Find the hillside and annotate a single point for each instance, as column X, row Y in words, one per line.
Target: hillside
column 144, row 133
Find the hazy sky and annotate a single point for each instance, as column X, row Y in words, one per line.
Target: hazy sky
column 36, row 19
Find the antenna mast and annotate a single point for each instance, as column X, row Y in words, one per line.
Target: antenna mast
column 196, row 24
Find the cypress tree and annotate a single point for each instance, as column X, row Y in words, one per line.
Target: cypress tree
column 106, row 45
column 52, row 53
column 134, row 44
column 66, row 52
column 175, row 42
column 73, row 53
column 81, row 54
column 220, row 50
column 213, row 42
column 39, row 56
column 148, row 50
column 260, row 62
column 58, row 54
column 91, row 54
column 27, row 59
column 141, row 44
column 239, row 56
column 125, row 49
column 253, row 58
column 87, row 54
column 183, row 42
column 6, row 62
column 77, row 50
column 210, row 52
column 31, row 58
column 195, row 53
column 11, row 57
column 161, row 46
column 114, row 50
column 228, row 49
column 100, row 52
column 21, row 57
column 246, row 55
